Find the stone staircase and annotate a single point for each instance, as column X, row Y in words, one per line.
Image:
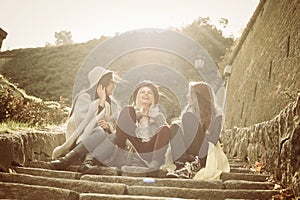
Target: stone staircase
column 37, row 181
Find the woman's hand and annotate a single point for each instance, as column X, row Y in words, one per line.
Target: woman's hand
column 144, row 111
column 101, row 91
column 103, row 125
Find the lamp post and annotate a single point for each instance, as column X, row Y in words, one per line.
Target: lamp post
column 227, row 73
column 199, row 62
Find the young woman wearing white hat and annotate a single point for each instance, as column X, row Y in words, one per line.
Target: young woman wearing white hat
column 93, row 110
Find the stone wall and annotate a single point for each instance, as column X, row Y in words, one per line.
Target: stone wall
column 265, row 65
column 23, row 147
column 3, row 35
column 274, row 142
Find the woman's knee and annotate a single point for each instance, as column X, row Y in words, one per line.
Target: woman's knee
column 127, row 119
column 189, row 117
column 174, row 130
column 164, row 132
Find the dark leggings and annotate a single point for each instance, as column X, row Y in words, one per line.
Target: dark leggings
column 191, row 138
column 154, row 149
column 188, row 139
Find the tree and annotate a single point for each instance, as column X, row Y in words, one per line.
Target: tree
column 209, row 36
column 63, row 37
column 48, row 44
column 223, row 22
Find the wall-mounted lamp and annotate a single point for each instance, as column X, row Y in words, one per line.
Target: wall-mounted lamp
column 227, row 71
column 199, row 62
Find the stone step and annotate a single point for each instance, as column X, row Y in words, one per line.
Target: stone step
column 23, row 191
column 84, row 186
column 181, row 183
column 236, row 160
column 62, row 174
column 243, row 176
column 106, row 170
column 200, row 193
column 195, row 194
column 45, row 165
column 48, row 173
column 79, row 186
column 189, row 183
column 113, row 171
column 236, row 165
column 250, row 181
column 74, row 168
column 93, row 196
column 140, row 193
column 240, row 183
column 240, row 170
column 157, row 182
column 249, row 185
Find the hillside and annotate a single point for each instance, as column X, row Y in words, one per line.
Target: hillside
column 49, row 72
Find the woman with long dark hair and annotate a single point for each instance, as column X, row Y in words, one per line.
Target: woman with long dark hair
column 93, row 111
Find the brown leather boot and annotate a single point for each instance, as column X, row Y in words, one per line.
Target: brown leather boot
column 62, row 163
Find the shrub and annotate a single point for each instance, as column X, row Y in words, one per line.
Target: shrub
column 19, row 107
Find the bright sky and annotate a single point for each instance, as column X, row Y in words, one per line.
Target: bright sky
column 32, row 23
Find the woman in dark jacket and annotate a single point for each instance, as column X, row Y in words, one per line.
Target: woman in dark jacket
column 144, row 126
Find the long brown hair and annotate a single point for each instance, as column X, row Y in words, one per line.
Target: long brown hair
column 205, row 102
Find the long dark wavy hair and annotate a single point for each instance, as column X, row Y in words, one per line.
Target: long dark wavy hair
column 92, row 91
column 205, row 102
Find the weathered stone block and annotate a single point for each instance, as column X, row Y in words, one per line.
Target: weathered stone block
column 23, row 147
column 23, row 191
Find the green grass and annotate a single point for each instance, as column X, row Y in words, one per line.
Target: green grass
column 11, row 126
